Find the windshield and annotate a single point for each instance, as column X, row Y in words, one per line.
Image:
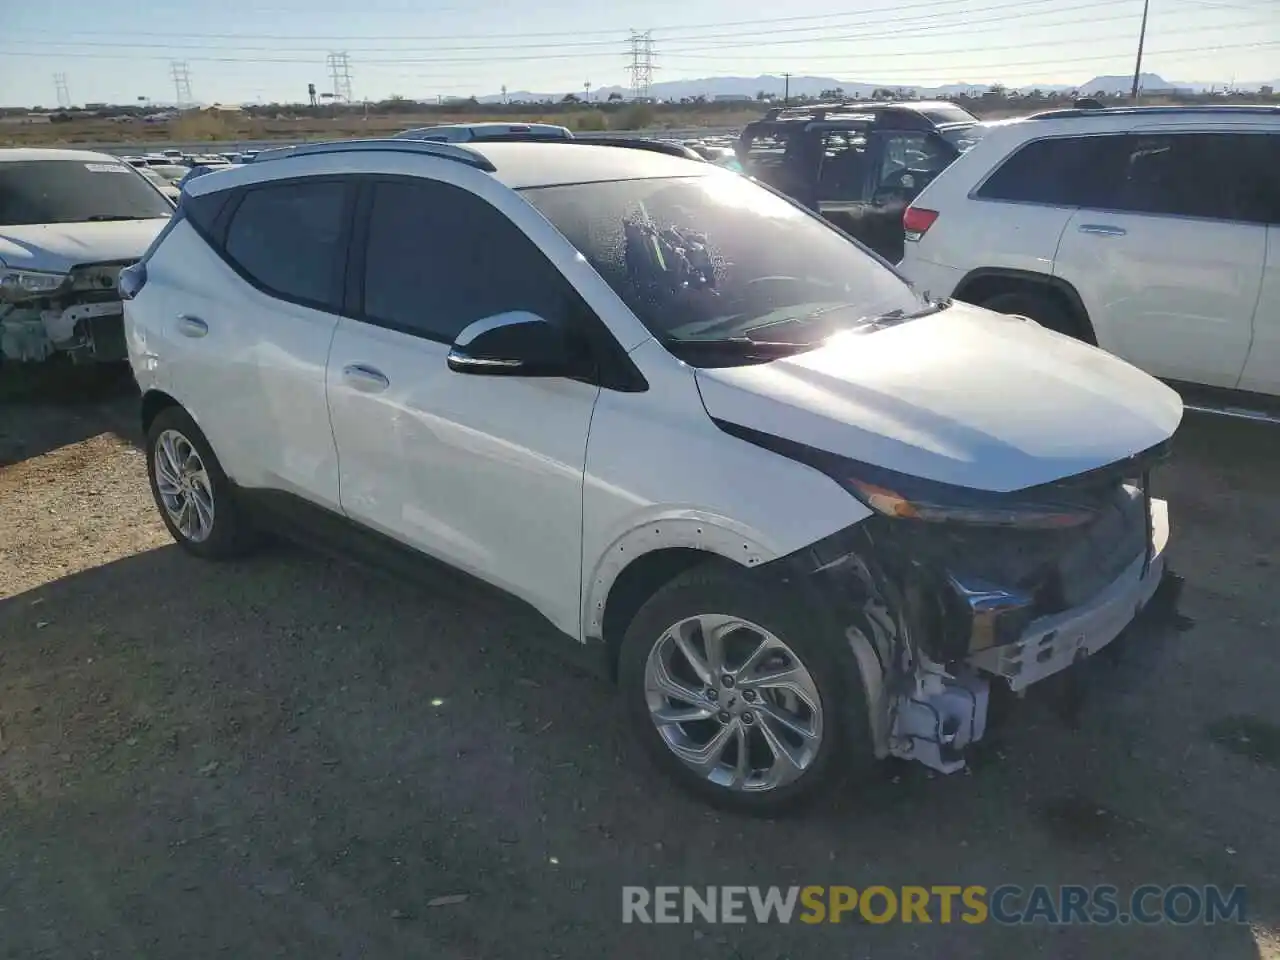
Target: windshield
column 962, row 138
column 718, row 259
column 75, row 191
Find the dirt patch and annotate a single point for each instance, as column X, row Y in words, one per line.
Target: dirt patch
column 290, row 756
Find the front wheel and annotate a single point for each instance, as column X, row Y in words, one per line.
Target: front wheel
column 740, row 694
column 194, row 495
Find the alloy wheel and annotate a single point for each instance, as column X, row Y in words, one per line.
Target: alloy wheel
column 183, row 484
column 733, row 702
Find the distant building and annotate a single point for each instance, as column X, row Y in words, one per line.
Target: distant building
column 1267, row 90
column 732, row 98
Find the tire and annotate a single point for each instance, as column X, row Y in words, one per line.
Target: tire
column 842, row 742
column 174, row 436
column 1043, row 309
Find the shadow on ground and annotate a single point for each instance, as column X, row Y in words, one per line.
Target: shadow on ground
column 293, row 756
column 51, row 406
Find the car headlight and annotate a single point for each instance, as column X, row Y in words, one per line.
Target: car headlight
column 1053, row 506
column 910, row 498
column 21, row 284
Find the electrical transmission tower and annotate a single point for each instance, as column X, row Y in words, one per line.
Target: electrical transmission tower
column 641, row 66
column 339, row 65
column 181, row 73
column 60, row 83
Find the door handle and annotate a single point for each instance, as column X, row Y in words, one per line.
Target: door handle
column 364, row 378
column 1102, row 229
column 190, row 326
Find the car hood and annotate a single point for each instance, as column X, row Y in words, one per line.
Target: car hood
column 963, row 396
column 57, row 247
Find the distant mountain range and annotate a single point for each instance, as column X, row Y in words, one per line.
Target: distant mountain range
column 711, row 87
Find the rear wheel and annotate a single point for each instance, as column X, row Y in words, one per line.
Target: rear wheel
column 738, row 693
column 195, row 498
column 1044, row 309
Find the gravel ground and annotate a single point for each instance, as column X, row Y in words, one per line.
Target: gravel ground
column 292, row 756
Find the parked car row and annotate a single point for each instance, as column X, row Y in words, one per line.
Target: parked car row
column 1151, row 232
column 804, row 515
column 885, row 500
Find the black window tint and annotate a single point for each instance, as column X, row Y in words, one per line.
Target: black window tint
column 1224, row 176
column 203, row 211
column 1261, row 200
column 1063, row 171
column 287, row 236
column 440, row 258
column 843, row 174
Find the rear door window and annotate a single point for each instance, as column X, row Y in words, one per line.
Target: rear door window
column 1220, row 176
column 1060, row 171
column 287, row 239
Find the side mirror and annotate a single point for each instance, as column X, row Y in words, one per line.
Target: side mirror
column 515, row 344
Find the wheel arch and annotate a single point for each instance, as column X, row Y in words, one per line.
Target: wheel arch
column 153, row 401
column 985, row 282
column 641, row 560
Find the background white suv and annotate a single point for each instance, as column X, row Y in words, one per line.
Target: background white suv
column 1151, row 231
column 804, row 514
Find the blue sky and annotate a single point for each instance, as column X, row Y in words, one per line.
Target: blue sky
column 241, row 51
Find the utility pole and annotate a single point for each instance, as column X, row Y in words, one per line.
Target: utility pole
column 181, row 73
column 586, row 91
column 786, row 89
column 1142, row 39
column 504, row 93
column 60, row 84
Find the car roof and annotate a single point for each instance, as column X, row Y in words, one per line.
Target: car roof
column 29, row 154
column 531, row 164
column 517, row 165
column 482, row 126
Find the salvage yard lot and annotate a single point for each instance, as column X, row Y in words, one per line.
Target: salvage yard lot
column 295, row 756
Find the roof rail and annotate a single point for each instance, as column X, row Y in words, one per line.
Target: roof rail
column 1230, row 109
column 445, row 151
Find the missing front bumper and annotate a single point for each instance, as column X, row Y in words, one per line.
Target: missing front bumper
column 1052, row 643
column 946, row 711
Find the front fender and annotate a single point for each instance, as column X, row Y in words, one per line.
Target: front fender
column 687, row 529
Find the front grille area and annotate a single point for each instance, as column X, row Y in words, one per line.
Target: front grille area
column 96, row 282
column 1060, row 569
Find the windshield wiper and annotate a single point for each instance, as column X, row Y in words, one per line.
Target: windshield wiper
column 871, row 320
column 736, row 347
column 106, row 217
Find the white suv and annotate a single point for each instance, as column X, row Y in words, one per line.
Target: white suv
column 802, row 513
column 1153, row 232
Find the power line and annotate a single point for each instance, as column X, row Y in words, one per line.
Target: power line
column 60, row 85
column 701, row 54
column 928, row 23
column 688, row 51
column 756, row 41
column 893, row 14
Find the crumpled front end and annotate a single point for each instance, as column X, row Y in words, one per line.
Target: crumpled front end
column 938, row 612
column 82, row 317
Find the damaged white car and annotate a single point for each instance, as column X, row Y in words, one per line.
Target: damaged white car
column 805, row 516
column 70, row 220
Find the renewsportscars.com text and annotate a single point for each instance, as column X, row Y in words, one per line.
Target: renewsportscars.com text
column 944, row 903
